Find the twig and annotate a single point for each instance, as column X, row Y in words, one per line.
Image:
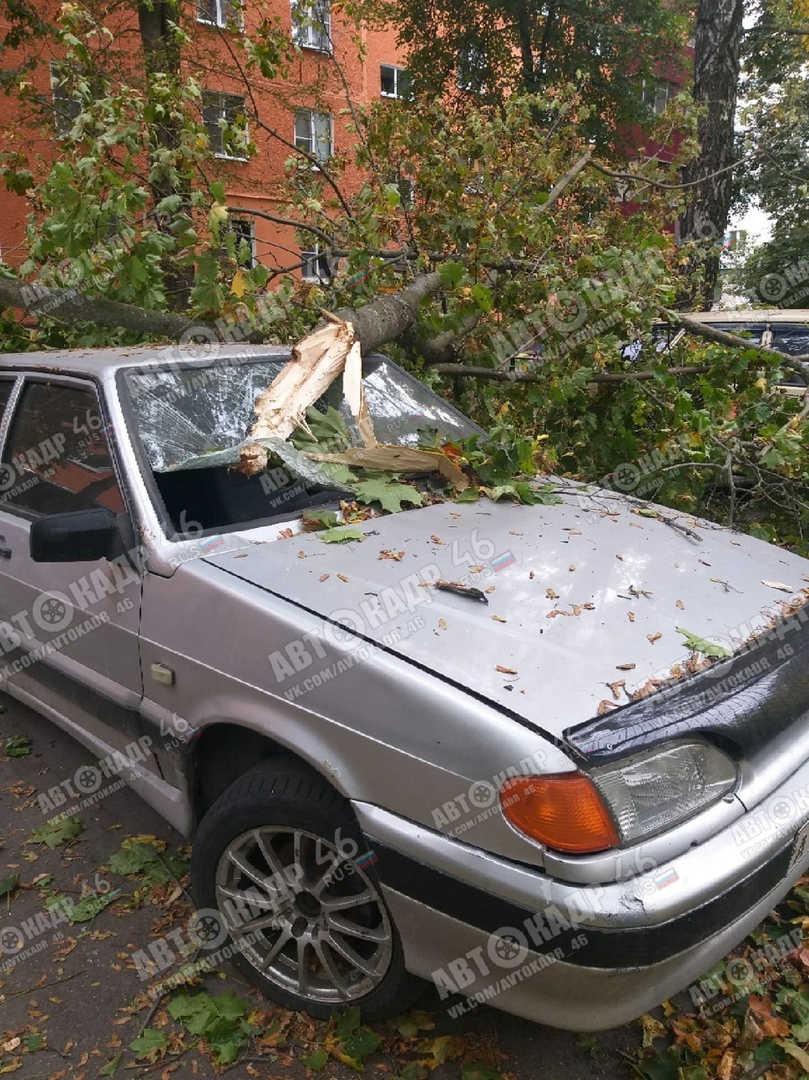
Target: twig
column 568, row 178
column 41, row 986
column 659, row 183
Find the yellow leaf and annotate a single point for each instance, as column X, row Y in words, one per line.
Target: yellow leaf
column 237, row 286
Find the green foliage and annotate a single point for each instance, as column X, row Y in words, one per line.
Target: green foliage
column 221, row 1019
column 341, row 536
column 702, row 645
column 16, row 746
column 389, row 494
column 148, row 859
column 57, row 832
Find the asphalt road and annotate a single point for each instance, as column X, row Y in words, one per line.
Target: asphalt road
column 73, row 998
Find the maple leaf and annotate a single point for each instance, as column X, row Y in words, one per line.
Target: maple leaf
column 389, row 494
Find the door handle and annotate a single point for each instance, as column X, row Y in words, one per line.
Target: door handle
column 5, row 550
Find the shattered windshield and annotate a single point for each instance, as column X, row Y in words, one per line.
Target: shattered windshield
column 192, row 423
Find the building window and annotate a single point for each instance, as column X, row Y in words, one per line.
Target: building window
column 224, row 13
column 67, row 103
column 472, row 69
column 226, row 124
column 395, row 81
column 243, row 231
column 657, row 94
column 311, row 24
column 313, row 133
column 315, row 265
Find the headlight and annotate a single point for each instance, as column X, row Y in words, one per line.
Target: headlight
column 658, row 789
column 619, row 803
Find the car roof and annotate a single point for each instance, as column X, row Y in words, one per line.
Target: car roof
column 99, row 362
column 750, row 315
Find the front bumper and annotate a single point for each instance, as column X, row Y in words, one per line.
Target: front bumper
column 590, row 957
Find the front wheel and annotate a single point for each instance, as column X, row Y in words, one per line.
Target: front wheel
column 280, row 857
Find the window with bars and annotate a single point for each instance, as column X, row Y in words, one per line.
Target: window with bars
column 313, row 133
column 225, row 13
column 395, row 81
column 67, row 102
column 225, row 121
column 311, row 24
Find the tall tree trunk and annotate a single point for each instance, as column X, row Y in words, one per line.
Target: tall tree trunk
column 716, row 77
column 160, row 41
column 529, row 75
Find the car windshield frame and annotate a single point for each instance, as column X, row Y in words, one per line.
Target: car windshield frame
column 197, row 372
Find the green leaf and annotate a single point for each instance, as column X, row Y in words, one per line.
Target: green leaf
column 111, row 1066
column 17, row 746
column 341, row 536
column 468, row 495
column 87, row 909
column 795, row 1051
column 702, row 645
column 316, row 1061
column 141, row 858
column 476, row 1070
column 217, row 191
column 150, row 1045
column 55, row 833
column 33, row 1042
column 389, row 494
column 451, row 274
column 322, row 519
column 9, row 884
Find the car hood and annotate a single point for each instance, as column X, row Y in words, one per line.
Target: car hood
column 580, row 595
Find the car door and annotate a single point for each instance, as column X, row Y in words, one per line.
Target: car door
column 69, row 633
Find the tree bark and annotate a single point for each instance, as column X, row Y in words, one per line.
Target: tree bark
column 388, row 317
column 716, row 76
column 71, row 306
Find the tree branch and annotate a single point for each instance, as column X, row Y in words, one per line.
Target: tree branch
column 388, row 317
column 658, row 183
column 320, row 233
column 499, row 375
column 72, row 306
column 793, row 363
column 568, row 178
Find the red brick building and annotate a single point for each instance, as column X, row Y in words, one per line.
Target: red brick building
column 334, row 62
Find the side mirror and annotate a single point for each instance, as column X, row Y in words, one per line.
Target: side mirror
column 80, row 536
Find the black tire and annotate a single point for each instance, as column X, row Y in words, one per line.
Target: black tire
column 299, row 839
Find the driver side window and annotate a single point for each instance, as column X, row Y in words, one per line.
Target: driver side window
column 57, row 456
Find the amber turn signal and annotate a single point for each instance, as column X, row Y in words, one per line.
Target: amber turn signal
column 565, row 812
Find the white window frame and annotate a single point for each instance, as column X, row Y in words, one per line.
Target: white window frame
column 311, row 25
column 398, row 72
column 312, row 140
column 225, row 16
column 62, row 120
column 309, row 272
column 664, row 91
column 221, row 95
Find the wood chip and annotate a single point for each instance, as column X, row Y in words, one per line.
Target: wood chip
column 442, row 624
column 589, row 607
column 476, row 569
column 681, row 605
column 624, row 667
column 604, row 706
column 620, row 558
column 576, row 609
column 490, row 589
column 572, row 566
column 551, row 595
column 558, row 611
column 573, row 532
column 703, row 562
column 301, row 554
column 436, row 539
column 631, row 616
column 342, row 577
column 652, row 638
column 385, row 553
column 285, row 534
column 616, row 687
column 530, row 575
column 323, row 577
column 776, row 585
column 498, row 618
column 506, row 670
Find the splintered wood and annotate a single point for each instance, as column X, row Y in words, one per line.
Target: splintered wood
column 316, row 362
